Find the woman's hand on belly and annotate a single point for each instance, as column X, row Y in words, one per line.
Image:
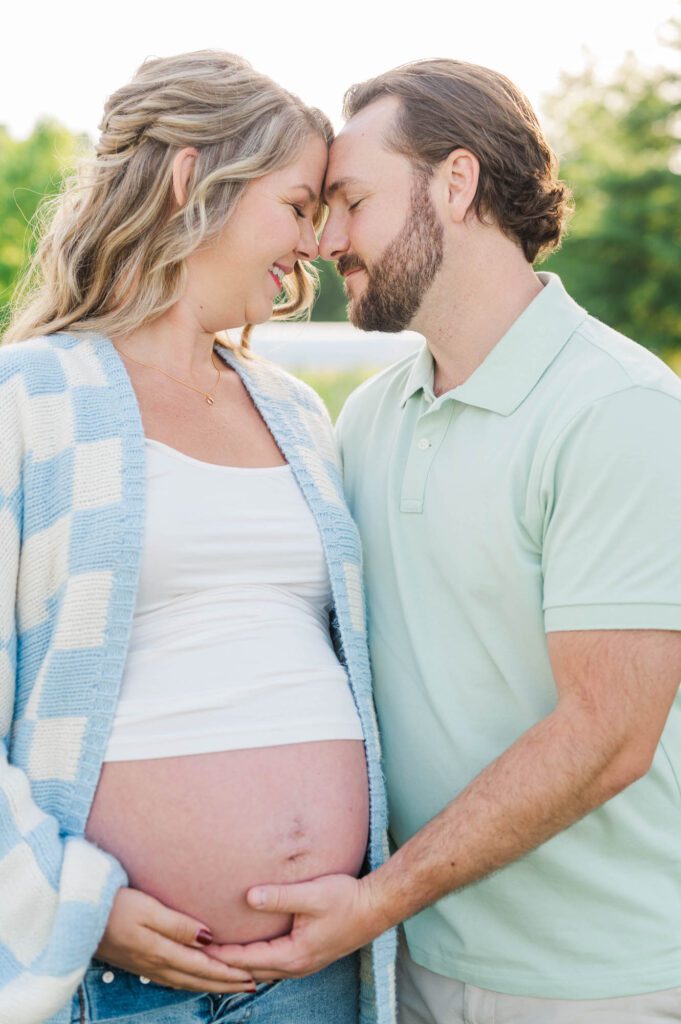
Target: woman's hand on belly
column 147, row 938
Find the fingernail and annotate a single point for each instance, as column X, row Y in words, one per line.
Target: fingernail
column 257, row 898
column 204, row 936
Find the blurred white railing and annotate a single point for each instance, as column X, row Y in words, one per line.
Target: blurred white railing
column 330, row 346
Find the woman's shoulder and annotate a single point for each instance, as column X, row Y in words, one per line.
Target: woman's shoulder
column 50, row 364
column 27, row 368
column 41, row 357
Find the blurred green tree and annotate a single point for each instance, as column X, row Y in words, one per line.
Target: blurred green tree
column 331, row 300
column 30, row 169
column 620, row 146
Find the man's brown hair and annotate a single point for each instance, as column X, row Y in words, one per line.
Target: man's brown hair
column 449, row 104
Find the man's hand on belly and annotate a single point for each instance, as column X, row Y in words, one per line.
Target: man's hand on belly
column 333, row 916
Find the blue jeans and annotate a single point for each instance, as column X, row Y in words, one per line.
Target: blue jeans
column 329, row 997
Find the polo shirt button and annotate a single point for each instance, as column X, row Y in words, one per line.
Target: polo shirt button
column 108, row 977
column 145, row 981
column 424, row 444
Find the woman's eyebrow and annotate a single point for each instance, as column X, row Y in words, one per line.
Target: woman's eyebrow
column 314, row 198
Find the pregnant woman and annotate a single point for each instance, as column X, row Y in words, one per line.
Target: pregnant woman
column 177, row 722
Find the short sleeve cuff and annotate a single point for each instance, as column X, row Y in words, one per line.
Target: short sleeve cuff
column 612, row 616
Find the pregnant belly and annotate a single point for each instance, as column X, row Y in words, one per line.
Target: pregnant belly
column 197, row 831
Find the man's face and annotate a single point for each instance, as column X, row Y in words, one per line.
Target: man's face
column 382, row 228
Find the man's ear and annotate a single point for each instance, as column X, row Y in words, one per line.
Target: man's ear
column 183, row 168
column 460, row 172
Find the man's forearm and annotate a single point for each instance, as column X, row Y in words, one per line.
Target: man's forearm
column 550, row 777
column 614, row 687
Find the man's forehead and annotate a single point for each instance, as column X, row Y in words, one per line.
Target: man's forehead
column 373, row 119
column 349, row 165
column 359, row 148
column 349, row 154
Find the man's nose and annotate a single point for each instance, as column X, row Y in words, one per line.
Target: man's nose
column 334, row 239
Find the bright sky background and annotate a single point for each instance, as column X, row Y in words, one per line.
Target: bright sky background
column 64, row 58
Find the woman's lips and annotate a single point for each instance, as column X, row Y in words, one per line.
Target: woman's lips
column 284, row 269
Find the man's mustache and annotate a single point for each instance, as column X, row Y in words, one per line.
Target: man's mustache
column 348, row 263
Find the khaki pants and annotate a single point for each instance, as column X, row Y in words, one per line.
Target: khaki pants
column 427, row 998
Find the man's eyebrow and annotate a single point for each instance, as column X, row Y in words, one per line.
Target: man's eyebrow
column 339, row 184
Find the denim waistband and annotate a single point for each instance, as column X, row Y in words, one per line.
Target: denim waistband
column 109, row 994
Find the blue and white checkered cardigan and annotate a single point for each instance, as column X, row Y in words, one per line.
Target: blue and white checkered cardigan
column 72, row 491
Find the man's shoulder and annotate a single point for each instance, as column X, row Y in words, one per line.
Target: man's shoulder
column 602, row 370
column 622, row 363
column 610, row 396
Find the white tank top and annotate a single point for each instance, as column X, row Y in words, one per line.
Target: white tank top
column 230, row 643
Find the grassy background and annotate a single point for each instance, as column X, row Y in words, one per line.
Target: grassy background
column 334, row 386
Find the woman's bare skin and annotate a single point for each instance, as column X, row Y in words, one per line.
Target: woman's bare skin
column 197, row 831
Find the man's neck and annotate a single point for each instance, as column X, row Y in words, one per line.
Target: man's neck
column 468, row 315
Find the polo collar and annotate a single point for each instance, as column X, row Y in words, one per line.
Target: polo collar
column 510, row 371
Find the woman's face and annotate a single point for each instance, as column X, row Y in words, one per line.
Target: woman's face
column 233, row 279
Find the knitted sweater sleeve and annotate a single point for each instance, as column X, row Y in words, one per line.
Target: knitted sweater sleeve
column 56, row 890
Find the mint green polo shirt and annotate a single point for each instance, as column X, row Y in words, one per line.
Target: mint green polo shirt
column 542, row 494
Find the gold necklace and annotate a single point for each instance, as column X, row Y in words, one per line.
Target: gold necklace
column 206, row 394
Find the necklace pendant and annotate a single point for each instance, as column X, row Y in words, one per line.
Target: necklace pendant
column 209, row 400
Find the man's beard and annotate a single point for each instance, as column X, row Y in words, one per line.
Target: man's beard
column 398, row 282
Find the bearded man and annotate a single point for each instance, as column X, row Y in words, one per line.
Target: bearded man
column 517, row 486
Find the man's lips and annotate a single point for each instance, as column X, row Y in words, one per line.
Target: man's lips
column 349, row 282
column 349, row 277
column 349, row 265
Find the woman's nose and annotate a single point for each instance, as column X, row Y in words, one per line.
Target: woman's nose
column 308, row 249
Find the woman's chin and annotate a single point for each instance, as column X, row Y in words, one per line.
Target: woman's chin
column 255, row 315
column 260, row 314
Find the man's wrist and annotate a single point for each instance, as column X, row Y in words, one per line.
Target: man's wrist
column 379, row 910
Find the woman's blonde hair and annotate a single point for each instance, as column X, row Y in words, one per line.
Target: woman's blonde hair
column 112, row 254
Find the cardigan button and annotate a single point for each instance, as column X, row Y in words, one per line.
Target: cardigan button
column 145, row 981
column 108, row 977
